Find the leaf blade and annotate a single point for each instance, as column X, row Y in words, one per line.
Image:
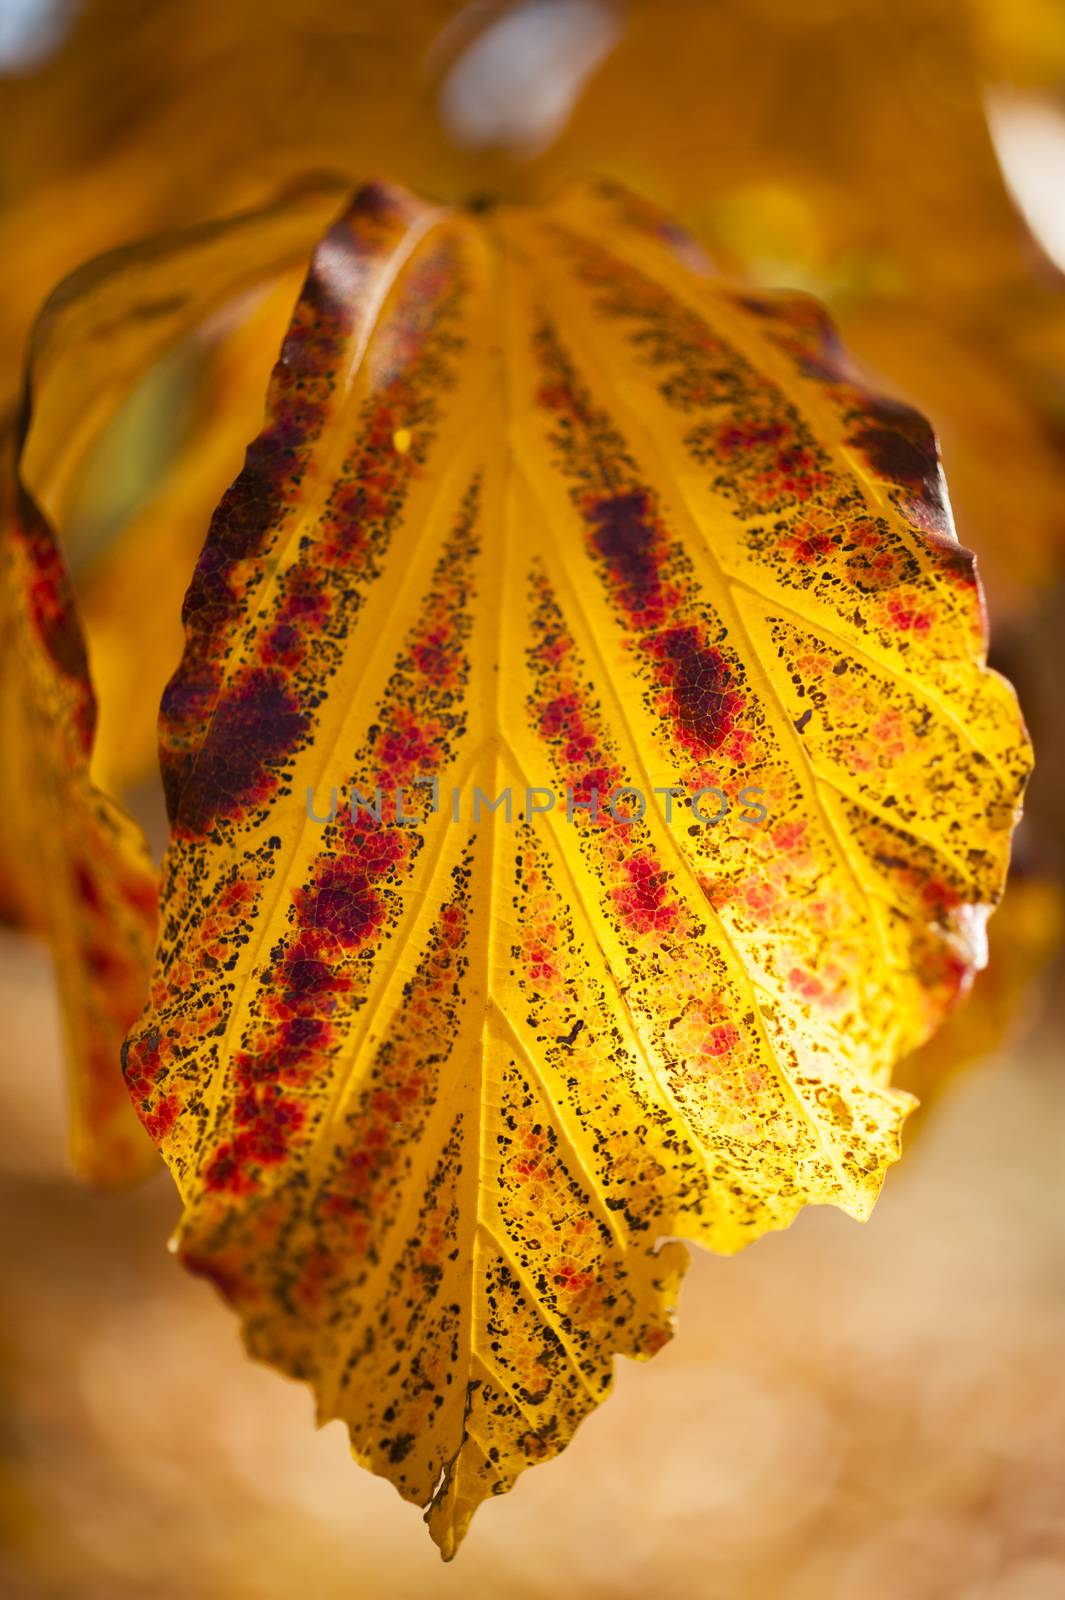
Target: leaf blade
column 76, row 868
column 435, row 1095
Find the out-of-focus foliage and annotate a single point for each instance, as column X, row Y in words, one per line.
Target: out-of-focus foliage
column 73, row 868
column 134, row 585
column 151, row 117
column 1020, row 41
column 1023, row 935
column 849, row 151
column 840, row 145
column 140, row 424
column 539, row 503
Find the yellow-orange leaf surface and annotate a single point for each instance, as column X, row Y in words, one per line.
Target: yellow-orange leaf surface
column 883, row 195
column 131, row 584
column 73, row 866
column 539, row 506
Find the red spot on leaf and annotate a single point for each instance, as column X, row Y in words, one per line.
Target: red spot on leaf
column 255, row 725
column 644, row 904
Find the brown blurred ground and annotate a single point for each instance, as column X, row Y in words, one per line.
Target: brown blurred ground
column 846, row 1413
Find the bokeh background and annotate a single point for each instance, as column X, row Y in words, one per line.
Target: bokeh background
column 846, row 1413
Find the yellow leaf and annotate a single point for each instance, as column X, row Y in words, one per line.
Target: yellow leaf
column 149, row 118
column 132, row 590
column 541, row 509
column 214, row 301
column 75, row 868
column 841, row 146
column 844, row 148
column 1025, row 933
column 110, row 321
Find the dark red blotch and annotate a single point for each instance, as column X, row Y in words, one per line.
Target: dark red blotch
column 255, row 726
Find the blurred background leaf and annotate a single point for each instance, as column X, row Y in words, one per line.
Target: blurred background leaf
column 841, row 146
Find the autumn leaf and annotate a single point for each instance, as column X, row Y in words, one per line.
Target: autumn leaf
column 131, row 307
column 75, row 868
column 132, row 553
column 151, row 118
column 72, row 866
column 132, row 568
column 541, row 508
column 844, row 148
column 1024, row 935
